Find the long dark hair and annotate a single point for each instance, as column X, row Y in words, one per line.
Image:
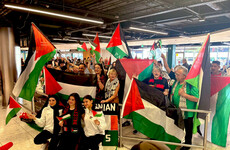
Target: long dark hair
column 78, row 103
column 102, row 68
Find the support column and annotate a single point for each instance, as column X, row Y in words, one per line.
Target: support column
column 7, row 62
column 171, row 57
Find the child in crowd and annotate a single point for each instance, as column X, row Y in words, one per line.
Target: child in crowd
column 157, row 81
column 71, row 123
column 94, row 126
column 49, row 121
column 111, row 88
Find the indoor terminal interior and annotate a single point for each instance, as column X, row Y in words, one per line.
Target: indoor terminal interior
column 163, row 80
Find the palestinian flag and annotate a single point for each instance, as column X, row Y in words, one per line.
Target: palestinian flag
column 219, row 127
column 150, row 115
column 44, row 51
column 65, row 117
column 155, row 46
column 96, row 114
column 111, row 131
column 92, row 46
column 83, row 48
column 97, row 50
column 199, row 77
column 118, row 46
column 72, row 83
column 141, row 68
column 51, row 85
column 12, row 109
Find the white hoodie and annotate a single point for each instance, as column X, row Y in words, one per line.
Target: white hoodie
column 47, row 119
column 90, row 127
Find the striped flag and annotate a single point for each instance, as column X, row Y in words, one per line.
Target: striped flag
column 92, row 46
column 111, row 132
column 12, row 109
column 72, row 83
column 83, row 48
column 97, row 49
column 219, row 126
column 44, row 51
column 51, row 85
column 65, row 117
column 150, row 115
column 199, row 77
column 118, row 46
column 140, row 67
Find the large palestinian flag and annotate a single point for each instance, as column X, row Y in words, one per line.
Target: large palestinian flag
column 118, row 46
column 126, row 68
column 150, row 114
column 199, row 77
column 72, row 83
column 219, row 126
column 36, row 59
column 12, row 109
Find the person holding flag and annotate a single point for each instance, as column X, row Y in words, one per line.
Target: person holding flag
column 94, row 125
column 50, row 122
column 70, row 121
column 183, row 95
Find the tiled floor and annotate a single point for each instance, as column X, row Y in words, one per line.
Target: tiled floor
column 22, row 135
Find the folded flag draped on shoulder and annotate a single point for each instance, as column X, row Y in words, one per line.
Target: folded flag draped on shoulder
column 44, row 51
column 126, row 68
column 12, row 109
column 83, row 48
column 146, row 107
column 199, row 77
column 51, row 85
column 118, row 46
column 219, row 127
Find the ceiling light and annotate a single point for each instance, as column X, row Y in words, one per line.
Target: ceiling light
column 101, row 36
column 201, row 19
column 62, row 15
column 150, row 31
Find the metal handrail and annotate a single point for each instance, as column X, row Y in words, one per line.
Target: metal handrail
column 172, row 143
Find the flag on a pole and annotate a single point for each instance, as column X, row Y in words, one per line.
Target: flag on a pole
column 12, row 109
column 140, row 67
column 118, row 46
column 199, row 77
column 83, row 48
column 51, row 85
column 146, row 107
column 155, row 48
column 218, row 126
column 97, row 49
column 44, row 51
column 92, row 46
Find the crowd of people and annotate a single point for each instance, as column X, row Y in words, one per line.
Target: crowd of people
column 82, row 129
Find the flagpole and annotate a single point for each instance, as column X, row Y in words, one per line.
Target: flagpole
column 32, row 105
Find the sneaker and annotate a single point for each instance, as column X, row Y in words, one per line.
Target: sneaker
column 126, row 123
column 135, row 131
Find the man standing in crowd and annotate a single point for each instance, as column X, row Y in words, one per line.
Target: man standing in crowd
column 215, row 69
column 183, row 95
column 185, row 64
